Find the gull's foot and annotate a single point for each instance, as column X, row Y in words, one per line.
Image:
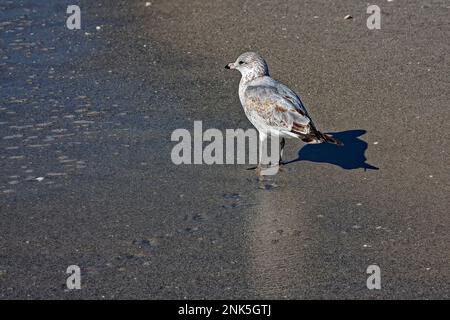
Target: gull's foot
column 268, row 170
column 258, row 169
column 281, row 167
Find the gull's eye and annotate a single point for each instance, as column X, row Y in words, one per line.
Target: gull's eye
column 241, row 62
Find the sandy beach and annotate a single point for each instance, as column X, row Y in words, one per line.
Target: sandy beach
column 86, row 175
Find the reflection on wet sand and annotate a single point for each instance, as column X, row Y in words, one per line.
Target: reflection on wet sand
column 275, row 244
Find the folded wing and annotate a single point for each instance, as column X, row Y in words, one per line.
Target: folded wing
column 279, row 108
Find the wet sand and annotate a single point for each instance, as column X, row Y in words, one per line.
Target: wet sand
column 87, row 178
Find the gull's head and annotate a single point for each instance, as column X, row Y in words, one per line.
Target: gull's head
column 251, row 65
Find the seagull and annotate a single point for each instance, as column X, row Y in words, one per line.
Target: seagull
column 272, row 107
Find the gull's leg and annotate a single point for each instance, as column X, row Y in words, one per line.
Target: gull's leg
column 262, row 142
column 261, row 139
column 282, row 144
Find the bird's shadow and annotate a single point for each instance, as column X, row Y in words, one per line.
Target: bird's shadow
column 349, row 156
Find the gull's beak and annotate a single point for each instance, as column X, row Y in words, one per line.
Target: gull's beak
column 230, row 66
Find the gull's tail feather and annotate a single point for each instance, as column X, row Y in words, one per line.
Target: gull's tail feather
column 319, row 137
column 330, row 139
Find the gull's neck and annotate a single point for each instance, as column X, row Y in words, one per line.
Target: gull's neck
column 252, row 74
column 248, row 79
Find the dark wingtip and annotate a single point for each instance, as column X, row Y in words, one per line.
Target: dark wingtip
column 332, row 140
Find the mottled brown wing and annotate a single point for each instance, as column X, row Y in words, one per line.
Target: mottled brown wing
column 276, row 110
